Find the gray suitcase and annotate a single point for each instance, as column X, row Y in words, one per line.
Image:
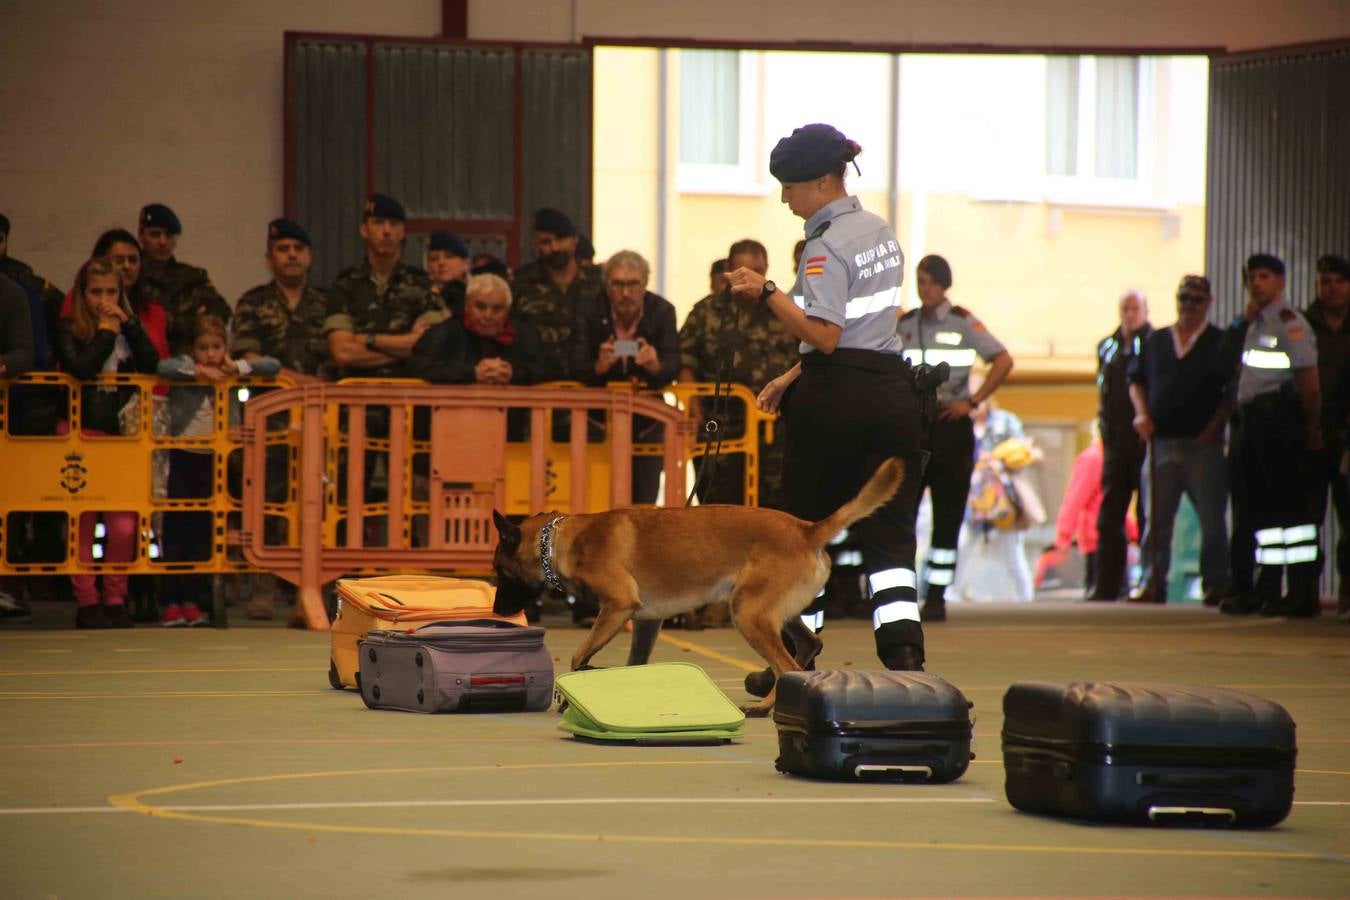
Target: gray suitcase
column 472, row 666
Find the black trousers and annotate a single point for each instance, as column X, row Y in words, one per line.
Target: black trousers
column 1122, row 468
column 187, row 535
column 1275, row 519
column 947, row 475
column 847, row 413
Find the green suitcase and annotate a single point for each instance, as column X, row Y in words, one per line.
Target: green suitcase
column 663, row 703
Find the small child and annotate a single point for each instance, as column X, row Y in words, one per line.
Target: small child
column 188, row 535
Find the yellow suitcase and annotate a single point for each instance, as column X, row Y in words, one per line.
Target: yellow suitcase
column 402, row 603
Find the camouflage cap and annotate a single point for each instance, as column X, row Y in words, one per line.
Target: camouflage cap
column 1194, row 284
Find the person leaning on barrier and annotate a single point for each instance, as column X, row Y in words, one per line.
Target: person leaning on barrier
column 741, row 342
column 486, row 345
column 1329, row 316
column 124, row 252
column 186, row 291
column 284, row 318
column 448, row 266
column 379, row 308
column 102, row 335
column 628, row 334
column 1123, row 460
column 852, row 401
column 550, row 292
column 1181, row 407
column 1276, row 432
column 935, row 333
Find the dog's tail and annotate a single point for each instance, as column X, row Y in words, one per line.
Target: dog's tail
column 880, row 488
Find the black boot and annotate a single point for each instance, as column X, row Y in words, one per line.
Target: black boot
column 905, row 658
column 934, row 607
column 1241, row 604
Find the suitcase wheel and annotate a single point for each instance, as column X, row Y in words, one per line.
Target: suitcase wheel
column 375, row 692
column 333, row 680
column 418, row 659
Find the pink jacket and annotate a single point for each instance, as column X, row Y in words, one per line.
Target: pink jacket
column 1082, row 499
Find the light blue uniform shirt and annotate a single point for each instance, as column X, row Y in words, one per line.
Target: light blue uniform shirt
column 1278, row 342
column 951, row 335
column 850, row 275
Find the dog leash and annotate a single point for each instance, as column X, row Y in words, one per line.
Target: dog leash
column 712, row 424
column 551, row 578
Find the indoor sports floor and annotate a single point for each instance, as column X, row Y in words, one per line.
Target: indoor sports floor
column 218, row 763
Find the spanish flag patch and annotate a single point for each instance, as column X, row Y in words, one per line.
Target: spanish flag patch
column 815, row 266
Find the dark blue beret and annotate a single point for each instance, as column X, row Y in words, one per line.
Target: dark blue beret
column 448, row 243
column 554, row 222
column 157, row 215
column 285, row 229
column 382, row 206
column 1264, row 261
column 810, row 152
column 1331, row 264
column 492, row 266
column 4, row 224
column 585, row 249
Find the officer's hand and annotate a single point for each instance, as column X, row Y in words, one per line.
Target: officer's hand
column 605, row 361
column 646, row 357
column 1252, row 311
column 746, row 282
column 772, row 395
column 419, row 328
column 1143, row 425
column 955, row 411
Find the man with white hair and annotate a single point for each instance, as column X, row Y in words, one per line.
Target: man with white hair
column 1123, row 450
column 487, row 346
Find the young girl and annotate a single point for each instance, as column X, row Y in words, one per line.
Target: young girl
column 187, row 535
column 103, row 334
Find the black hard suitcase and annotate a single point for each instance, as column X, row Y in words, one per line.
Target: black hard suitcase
column 470, row 666
column 866, row 726
column 1148, row 753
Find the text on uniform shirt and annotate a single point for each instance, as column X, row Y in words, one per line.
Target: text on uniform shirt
column 877, row 259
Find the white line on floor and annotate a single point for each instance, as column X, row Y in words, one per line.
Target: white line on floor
column 51, row 651
column 135, row 650
column 560, row 801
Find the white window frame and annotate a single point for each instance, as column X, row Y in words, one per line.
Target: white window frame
column 1090, row 189
column 743, row 178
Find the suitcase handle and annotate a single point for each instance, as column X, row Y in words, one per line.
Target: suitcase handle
column 1165, row 814
column 865, row 770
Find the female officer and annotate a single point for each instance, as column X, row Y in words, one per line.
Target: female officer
column 851, row 402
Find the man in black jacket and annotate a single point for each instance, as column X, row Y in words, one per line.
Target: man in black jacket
column 487, row 346
column 628, row 334
column 1124, row 451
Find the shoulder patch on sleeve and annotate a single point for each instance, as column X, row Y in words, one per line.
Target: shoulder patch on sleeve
column 961, row 311
column 1287, row 314
column 911, row 314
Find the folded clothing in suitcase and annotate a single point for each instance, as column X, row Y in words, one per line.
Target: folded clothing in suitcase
column 846, row 724
column 661, row 703
column 1148, row 753
column 473, row 666
column 400, row 602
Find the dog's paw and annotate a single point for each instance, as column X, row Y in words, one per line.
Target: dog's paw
column 588, row 668
column 755, row 711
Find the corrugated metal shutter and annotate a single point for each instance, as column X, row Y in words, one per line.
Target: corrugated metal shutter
column 329, row 143
column 1279, row 180
column 556, row 113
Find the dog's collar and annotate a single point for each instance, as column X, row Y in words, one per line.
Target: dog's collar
column 551, row 578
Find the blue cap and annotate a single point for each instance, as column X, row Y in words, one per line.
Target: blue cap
column 157, row 215
column 1331, row 264
column 810, row 152
column 284, row 229
column 585, row 249
column 382, row 206
column 1264, row 261
column 554, row 222
column 450, row 243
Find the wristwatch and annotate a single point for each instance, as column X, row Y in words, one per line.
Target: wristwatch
column 370, row 340
column 769, row 288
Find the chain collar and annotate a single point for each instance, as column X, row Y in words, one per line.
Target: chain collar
column 551, row 578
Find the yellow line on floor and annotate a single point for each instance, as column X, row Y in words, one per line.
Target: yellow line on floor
column 701, row 650
column 158, row 671
column 133, row 802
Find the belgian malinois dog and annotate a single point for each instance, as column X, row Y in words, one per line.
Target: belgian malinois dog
column 650, row 564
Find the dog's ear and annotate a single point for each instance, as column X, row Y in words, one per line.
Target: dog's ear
column 508, row 530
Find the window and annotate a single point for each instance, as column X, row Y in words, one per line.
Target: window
column 718, row 111
column 1092, row 116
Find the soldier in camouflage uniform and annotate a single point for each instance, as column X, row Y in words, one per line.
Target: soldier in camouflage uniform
column 185, row 291
column 284, row 318
column 378, row 309
column 550, row 291
column 755, row 347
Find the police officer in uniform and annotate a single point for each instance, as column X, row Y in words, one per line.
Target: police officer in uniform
column 935, row 333
column 1277, row 432
column 852, row 401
